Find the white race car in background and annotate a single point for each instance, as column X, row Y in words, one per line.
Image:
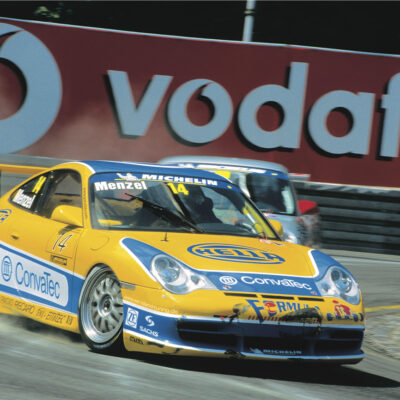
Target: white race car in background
column 269, row 186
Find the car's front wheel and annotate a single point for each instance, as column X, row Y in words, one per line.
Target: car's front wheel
column 101, row 310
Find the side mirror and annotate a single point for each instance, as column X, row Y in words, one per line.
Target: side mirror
column 277, row 227
column 307, row 207
column 70, row 215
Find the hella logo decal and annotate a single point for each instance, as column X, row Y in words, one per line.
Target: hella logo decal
column 235, row 253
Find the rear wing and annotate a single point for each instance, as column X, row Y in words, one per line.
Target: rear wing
column 20, row 169
column 11, row 175
column 15, row 168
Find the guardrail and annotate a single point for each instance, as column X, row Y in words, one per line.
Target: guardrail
column 353, row 218
column 356, row 218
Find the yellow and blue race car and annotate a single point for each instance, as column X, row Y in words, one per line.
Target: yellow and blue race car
column 170, row 260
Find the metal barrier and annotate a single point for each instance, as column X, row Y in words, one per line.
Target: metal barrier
column 356, row 218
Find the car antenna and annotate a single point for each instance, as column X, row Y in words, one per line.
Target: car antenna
column 165, row 237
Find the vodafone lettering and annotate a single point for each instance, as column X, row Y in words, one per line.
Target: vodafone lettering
column 43, row 89
column 134, row 120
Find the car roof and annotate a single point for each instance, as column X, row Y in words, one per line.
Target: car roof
column 227, row 161
column 116, row 166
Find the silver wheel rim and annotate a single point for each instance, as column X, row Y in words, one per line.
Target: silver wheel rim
column 102, row 307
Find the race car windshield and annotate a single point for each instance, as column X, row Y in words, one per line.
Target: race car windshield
column 128, row 202
column 270, row 193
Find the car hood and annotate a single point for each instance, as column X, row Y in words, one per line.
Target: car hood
column 231, row 262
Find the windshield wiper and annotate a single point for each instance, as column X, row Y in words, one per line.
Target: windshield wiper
column 166, row 213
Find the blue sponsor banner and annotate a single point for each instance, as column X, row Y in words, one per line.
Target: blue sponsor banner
column 33, row 279
column 153, row 325
column 263, row 283
column 153, row 172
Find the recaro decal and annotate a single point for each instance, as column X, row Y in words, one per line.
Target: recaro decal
column 235, row 253
column 42, row 78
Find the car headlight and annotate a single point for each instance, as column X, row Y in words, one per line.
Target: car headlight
column 338, row 282
column 177, row 278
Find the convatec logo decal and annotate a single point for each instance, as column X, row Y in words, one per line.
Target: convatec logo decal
column 228, row 280
column 6, row 268
column 235, row 253
column 33, row 279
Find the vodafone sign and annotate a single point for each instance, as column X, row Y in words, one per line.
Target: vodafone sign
column 85, row 93
column 43, row 89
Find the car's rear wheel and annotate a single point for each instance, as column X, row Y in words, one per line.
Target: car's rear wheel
column 101, row 310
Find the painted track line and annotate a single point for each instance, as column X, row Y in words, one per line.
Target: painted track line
column 379, row 308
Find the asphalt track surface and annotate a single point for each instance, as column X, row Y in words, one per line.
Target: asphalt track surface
column 39, row 362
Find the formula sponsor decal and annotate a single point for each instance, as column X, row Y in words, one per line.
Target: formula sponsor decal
column 34, row 279
column 4, row 214
column 270, row 308
column 235, row 253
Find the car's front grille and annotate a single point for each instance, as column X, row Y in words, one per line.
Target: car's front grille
column 288, row 340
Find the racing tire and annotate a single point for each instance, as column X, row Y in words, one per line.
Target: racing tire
column 100, row 312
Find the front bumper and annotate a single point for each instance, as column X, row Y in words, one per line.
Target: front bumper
column 304, row 334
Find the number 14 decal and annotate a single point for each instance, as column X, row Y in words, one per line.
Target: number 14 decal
column 61, row 242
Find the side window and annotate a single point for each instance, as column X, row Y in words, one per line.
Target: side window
column 64, row 188
column 27, row 196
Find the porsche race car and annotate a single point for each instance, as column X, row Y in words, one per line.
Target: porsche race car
column 170, row 260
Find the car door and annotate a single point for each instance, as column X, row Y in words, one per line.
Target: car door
column 42, row 251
